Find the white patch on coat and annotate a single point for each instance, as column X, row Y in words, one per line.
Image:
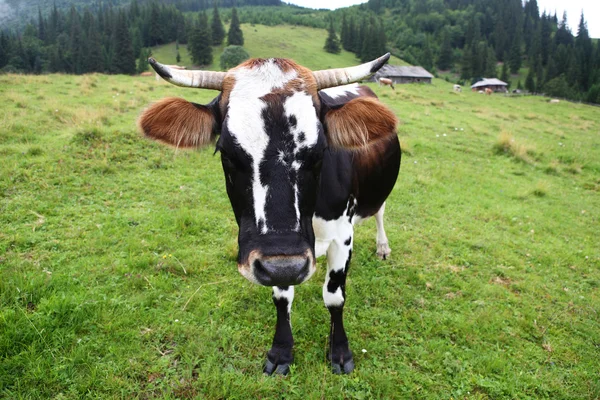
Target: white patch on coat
column 245, row 123
column 330, row 238
column 287, row 294
column 340, row 91
column 300, row 106
column 335, row 299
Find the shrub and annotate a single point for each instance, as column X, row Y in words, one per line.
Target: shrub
column 233, row 56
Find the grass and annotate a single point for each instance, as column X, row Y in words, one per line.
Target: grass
column 117, row 257
column 303, row 44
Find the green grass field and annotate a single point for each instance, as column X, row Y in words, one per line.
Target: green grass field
column 300, row 43
column 117, row 256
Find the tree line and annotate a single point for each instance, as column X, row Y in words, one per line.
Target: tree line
column 471, row 38
column 114, row 40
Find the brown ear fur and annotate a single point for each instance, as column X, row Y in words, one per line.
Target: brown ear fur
column 359, row 123
column 178, row 122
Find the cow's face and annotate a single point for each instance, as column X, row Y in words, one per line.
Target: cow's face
column 271, row 142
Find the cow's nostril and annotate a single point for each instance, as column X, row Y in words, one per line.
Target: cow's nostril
column 281, row 271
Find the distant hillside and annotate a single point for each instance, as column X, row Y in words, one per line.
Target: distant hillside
column 300, row 43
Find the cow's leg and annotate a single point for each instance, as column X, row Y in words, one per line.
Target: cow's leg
column 280, row 356
column 383, row 249
column 334, row 295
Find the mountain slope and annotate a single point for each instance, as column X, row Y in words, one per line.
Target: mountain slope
column 300, row 43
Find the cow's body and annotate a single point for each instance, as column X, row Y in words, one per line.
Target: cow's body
column 386, row 82
column 301, row 166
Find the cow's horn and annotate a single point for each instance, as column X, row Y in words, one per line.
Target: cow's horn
column 342, row 76
column 185, row 78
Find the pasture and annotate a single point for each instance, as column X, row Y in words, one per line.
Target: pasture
column 117, row 256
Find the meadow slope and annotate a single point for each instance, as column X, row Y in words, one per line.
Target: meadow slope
column 117, row 256
column 300, row 43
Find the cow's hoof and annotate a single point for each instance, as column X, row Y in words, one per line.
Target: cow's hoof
column 383, row 250
column 272, row 368
column 345, row 368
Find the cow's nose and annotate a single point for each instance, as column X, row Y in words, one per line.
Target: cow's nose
column 281, row 271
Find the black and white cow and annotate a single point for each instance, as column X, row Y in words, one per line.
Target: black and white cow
column 304, row 159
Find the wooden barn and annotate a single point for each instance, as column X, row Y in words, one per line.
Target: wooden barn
column 400, row 74
column 494, row 84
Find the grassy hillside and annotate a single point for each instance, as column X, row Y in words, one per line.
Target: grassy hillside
column 117, row 256
column 303, row 44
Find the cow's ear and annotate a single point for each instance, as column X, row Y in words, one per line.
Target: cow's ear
column 359, row 123
column 180, row 123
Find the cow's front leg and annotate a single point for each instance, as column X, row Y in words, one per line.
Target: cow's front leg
column 334, row 295
column 280, row 356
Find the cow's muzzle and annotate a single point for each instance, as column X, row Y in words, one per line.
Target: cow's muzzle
column 278, row 270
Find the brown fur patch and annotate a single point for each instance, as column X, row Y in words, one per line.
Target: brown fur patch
column 359, row 123
column 304, row 82
column 178, row 122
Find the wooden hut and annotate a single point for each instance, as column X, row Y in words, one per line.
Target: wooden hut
column 493, row 84
column 406, row 74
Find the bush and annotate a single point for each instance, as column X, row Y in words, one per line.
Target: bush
column 558, row 87
column 233, row 56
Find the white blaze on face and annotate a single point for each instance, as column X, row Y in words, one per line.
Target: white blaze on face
column 305, row 133
column 246, row 125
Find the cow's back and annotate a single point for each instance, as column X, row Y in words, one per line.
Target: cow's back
column 356, row 182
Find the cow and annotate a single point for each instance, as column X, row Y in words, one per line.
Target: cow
column 386, row 82
column 305, row 156
column 488, row 91
column 457, row 88
column 146, row 73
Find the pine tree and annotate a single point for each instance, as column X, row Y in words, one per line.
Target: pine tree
column 505, row 76
column 529, row 81
column 155, row 26
column 332, row 44
column 344, row 35
column 93, row 61
column 490, row 64
column 199, row 42
column 124, row 60
column 445, row 57
column 514, row 60
column 142, row 64
column 584, row 51
column 352, row 35
column 41, row 26
column 465, row 70
column 360, row 37
column 235, row 35
column 218, row 30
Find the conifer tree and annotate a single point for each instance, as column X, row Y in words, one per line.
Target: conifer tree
column 505, row 76
column 41, row 26
column 199, row 42
column 514, row 60
column 352, row 35
column 344, row 35
column 218, row 30
column 445, row 57
column 332, row 44
column 155, row 27
column 235, row 35
column 490, row 64
column 124, row 60
column 142, row 64
column 529, row 81
column 93, row 61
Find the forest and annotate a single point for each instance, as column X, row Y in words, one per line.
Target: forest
column 470, row 38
